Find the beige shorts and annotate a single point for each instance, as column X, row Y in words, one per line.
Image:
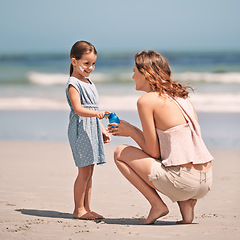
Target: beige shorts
column 180, row 183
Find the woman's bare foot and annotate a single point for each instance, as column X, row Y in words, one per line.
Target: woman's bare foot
column 154, row 214
column 187, row 210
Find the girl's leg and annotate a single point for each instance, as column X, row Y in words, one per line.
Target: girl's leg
column 87, row 198
column 80, row 188
column 136, row 165
column 88, row 192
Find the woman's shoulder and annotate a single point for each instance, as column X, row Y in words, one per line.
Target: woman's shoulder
column 151, row 98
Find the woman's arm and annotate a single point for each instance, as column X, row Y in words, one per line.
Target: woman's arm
column 146, row 139
column 150, row 143
column 77, row 107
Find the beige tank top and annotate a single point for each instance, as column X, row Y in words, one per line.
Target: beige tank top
column 183, row 144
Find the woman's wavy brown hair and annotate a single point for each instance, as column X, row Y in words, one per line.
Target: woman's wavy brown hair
column 156, row 70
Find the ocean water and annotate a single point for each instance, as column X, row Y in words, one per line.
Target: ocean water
column 32, row 93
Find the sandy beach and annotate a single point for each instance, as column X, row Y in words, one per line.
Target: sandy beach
column 36, row 182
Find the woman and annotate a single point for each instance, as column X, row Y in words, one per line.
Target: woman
column 172, row 157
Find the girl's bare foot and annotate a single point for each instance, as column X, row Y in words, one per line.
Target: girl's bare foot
column 83, row 214
column 187, row 210
column 96, row 215
column 154, row 214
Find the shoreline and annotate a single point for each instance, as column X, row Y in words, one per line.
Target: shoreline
column 37, row 200
column 120, row 101
column 219, row 130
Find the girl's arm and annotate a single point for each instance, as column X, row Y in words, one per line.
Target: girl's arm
column 77, row 107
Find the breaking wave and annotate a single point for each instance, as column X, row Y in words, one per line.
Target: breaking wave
column 202, row 103
column 58, row 78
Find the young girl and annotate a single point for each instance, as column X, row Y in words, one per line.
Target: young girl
column 85, row 132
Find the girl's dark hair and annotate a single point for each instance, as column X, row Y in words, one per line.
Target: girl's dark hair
column 78, row 49
column 156, row 70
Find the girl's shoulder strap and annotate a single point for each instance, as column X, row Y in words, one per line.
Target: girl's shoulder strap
column 75, row 83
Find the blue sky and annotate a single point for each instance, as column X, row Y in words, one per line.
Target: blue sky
column 125, row 25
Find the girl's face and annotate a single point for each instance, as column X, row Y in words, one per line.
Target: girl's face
column 141, row 83
column 85, row 65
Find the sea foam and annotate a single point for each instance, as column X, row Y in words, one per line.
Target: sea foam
column 59, row 78
column 97, row 77
column 202, row 103
column 227, row 78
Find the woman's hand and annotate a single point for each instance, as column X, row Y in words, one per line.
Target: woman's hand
column 120, row 129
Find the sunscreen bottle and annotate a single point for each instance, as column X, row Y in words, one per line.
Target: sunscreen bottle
column 112, row 117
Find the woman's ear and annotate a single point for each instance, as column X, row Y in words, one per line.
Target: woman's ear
column 73, row 61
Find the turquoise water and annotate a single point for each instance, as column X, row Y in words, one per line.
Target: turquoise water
column 37, row 81
column 33, row 104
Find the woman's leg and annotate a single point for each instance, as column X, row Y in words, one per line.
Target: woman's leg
column 187, row 210
column 81, row 186
column 136, row 165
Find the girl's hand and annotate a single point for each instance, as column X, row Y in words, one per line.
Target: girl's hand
column 100, row 114
column 120, row 129
column 106, row 137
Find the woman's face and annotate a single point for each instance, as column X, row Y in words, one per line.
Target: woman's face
column 85, row 65
column 141, row 83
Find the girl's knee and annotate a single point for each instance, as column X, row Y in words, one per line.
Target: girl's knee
column 85, row 173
